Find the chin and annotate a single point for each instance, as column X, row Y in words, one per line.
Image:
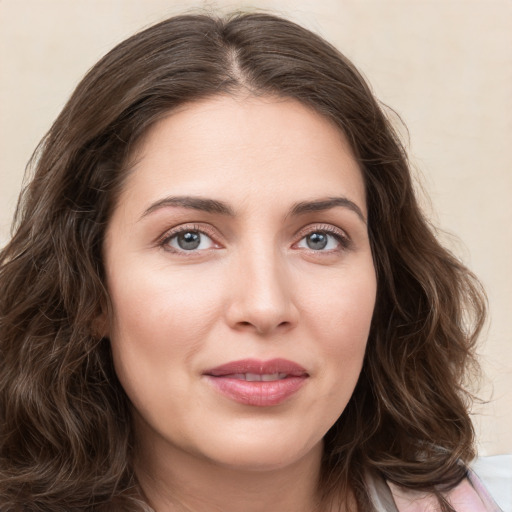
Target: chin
column 263, row 454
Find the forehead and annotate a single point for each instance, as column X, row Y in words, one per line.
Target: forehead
column 239, row 147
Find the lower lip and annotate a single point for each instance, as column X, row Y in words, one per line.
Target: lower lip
column 258, row 393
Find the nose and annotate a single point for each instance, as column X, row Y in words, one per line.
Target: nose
column 261, row 294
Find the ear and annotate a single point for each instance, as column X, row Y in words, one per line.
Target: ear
column 100, row 327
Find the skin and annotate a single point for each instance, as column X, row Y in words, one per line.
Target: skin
column 254, row 288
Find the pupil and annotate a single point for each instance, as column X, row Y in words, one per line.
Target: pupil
column 189, row 240
column 317, row 241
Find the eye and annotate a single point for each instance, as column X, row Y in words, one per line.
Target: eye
column 188, row 240
column 322, row 240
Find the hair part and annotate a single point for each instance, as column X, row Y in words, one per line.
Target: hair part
column 65, row 429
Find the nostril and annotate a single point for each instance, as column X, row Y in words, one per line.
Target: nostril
column 263, row 328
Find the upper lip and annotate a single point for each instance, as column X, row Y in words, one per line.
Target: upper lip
column 258, row 367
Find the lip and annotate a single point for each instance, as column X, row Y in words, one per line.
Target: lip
column 228, row 381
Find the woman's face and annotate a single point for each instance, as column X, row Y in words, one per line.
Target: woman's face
column 242, row 282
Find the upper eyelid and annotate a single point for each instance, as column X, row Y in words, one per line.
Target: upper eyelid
column 328, row 228
column 193, row 226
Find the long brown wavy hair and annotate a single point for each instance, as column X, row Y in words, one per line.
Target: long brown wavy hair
column 65, row 429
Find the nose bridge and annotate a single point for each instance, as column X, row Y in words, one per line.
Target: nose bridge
column 262, row 294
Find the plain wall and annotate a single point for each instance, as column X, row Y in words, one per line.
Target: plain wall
column 444, row 66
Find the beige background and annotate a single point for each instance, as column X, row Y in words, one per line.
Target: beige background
column 444, row 65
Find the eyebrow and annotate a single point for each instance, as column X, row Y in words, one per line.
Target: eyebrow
column 193, row 203
column 326, row 204
column 219, row 207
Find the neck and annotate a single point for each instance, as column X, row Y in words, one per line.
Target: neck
column 176, row 481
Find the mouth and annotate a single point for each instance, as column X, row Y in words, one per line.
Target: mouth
column 256, row 377
column 258, row 383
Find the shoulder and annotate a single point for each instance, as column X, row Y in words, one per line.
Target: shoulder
column 469, row 496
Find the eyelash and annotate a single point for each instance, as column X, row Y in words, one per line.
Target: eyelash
column 336, row 233
column 339, row 235
column 165, row 240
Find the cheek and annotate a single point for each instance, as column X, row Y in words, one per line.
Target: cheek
column 339, row 320
column 341, row 308
column 158, row 323
column 157, row 305
column 349, row 325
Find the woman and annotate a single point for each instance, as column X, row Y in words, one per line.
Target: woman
column 221, row 293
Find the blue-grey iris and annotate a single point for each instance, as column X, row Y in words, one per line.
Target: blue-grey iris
column 316, row 241
column 189, row 240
